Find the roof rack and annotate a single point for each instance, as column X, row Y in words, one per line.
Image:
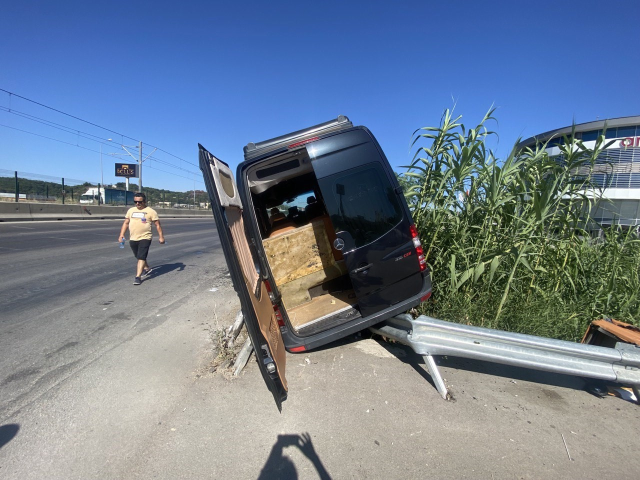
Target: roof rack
column 253, row 150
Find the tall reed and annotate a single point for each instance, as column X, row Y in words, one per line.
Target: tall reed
column 506, row 240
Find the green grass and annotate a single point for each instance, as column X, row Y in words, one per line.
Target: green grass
column 506, row 239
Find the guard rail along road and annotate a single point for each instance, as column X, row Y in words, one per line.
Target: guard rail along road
column 429, row 337
column 12, row 212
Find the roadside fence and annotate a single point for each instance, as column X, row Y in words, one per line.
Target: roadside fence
column 23, row 187
column 31, row 187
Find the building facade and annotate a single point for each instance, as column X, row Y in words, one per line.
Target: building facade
column 617, row 169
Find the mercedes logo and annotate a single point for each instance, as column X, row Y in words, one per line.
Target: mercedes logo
column 338, row 244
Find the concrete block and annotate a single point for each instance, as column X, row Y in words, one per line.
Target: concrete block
column 48, row 211
column 14, row 211
column 10, row 211
column 95, row 212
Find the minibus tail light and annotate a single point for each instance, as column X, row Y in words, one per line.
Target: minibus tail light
column 276, row 308
column 279, row 318
column 303, row 142
column 267, row 285
column 418, row 246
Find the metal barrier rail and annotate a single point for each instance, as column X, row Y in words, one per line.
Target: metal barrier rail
column 428, row 337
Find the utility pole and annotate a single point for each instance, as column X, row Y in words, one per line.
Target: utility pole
column 140, row 169
column 101, row 170
column 139, row 159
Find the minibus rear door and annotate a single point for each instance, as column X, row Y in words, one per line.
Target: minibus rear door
column 372, row 226
column 259, row 315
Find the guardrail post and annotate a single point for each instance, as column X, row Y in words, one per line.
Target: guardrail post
column 432, row 368
column 17, row 188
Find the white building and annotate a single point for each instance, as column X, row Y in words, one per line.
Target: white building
column 617, row 169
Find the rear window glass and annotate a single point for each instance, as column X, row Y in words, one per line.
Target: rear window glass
column 283, row 167
column 294, row 207
column 363, row 202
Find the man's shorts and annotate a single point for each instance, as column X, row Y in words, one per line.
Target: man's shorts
column 140, row 248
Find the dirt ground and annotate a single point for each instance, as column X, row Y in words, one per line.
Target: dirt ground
column 365, row 408
column 161, row 403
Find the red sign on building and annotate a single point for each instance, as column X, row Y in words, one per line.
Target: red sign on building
column 630, row 142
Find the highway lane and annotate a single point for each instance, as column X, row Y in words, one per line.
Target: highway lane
column 66, row 295
column 49, row 262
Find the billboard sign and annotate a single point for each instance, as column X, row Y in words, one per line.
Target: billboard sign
column 126, row 170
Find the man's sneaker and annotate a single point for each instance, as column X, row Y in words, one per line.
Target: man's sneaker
column 137, row 281
column 146, row 272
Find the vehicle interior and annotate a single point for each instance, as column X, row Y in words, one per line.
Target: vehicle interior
column 297, row 237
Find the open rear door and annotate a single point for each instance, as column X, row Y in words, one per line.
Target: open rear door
column 257, row 308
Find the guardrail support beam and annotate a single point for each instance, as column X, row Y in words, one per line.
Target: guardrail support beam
column 432, row 368
column 429, row 337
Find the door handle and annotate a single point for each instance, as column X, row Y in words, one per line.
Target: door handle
column 361, row 269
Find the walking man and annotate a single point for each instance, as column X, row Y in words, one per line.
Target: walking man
column 139, row 220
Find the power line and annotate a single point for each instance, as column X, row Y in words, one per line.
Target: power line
column 48, row 138
column 88, row 136
column 49, row 123
column 103, row 143
column 164, row 162
column 64, row 113
column 90, row 123
column 81, row 134
column 174, row 174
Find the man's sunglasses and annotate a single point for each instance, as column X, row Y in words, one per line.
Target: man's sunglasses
column 138, row 201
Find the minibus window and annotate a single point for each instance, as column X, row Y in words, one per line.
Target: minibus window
column 365, row 201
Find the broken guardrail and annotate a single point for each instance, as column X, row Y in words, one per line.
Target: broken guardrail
column 429, row 337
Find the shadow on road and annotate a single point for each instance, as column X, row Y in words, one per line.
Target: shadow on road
column 7, row 432
column 281, row 467
column 166, row 268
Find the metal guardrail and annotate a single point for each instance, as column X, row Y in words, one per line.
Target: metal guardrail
column 429, row 337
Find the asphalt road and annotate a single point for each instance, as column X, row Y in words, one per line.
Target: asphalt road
column 101, row 379
column 66, row 293
column 67, row 303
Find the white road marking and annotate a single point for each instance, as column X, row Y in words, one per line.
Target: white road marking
column 62, row 238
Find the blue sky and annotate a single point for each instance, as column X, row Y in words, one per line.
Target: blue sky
column 223, row 74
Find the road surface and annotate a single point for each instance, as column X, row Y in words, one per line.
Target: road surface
column 101, row 379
